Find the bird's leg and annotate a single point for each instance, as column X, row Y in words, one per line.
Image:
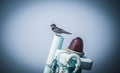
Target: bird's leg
column 58, row 34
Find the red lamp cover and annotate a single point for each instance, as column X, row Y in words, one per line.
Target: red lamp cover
column 76, row 45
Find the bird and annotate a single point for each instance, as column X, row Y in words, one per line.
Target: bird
column 58, row 30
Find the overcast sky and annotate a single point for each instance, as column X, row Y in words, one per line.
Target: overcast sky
column 27, row 36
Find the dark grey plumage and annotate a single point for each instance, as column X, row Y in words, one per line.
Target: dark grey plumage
column 58, row 30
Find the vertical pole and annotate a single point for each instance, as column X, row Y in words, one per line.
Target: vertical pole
column 56, row 44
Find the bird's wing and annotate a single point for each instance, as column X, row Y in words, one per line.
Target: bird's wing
column 57, row 30
column 63, row 31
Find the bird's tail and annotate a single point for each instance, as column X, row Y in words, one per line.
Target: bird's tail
column 67, row 32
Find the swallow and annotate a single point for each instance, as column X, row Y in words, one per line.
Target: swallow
column 58, row 30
